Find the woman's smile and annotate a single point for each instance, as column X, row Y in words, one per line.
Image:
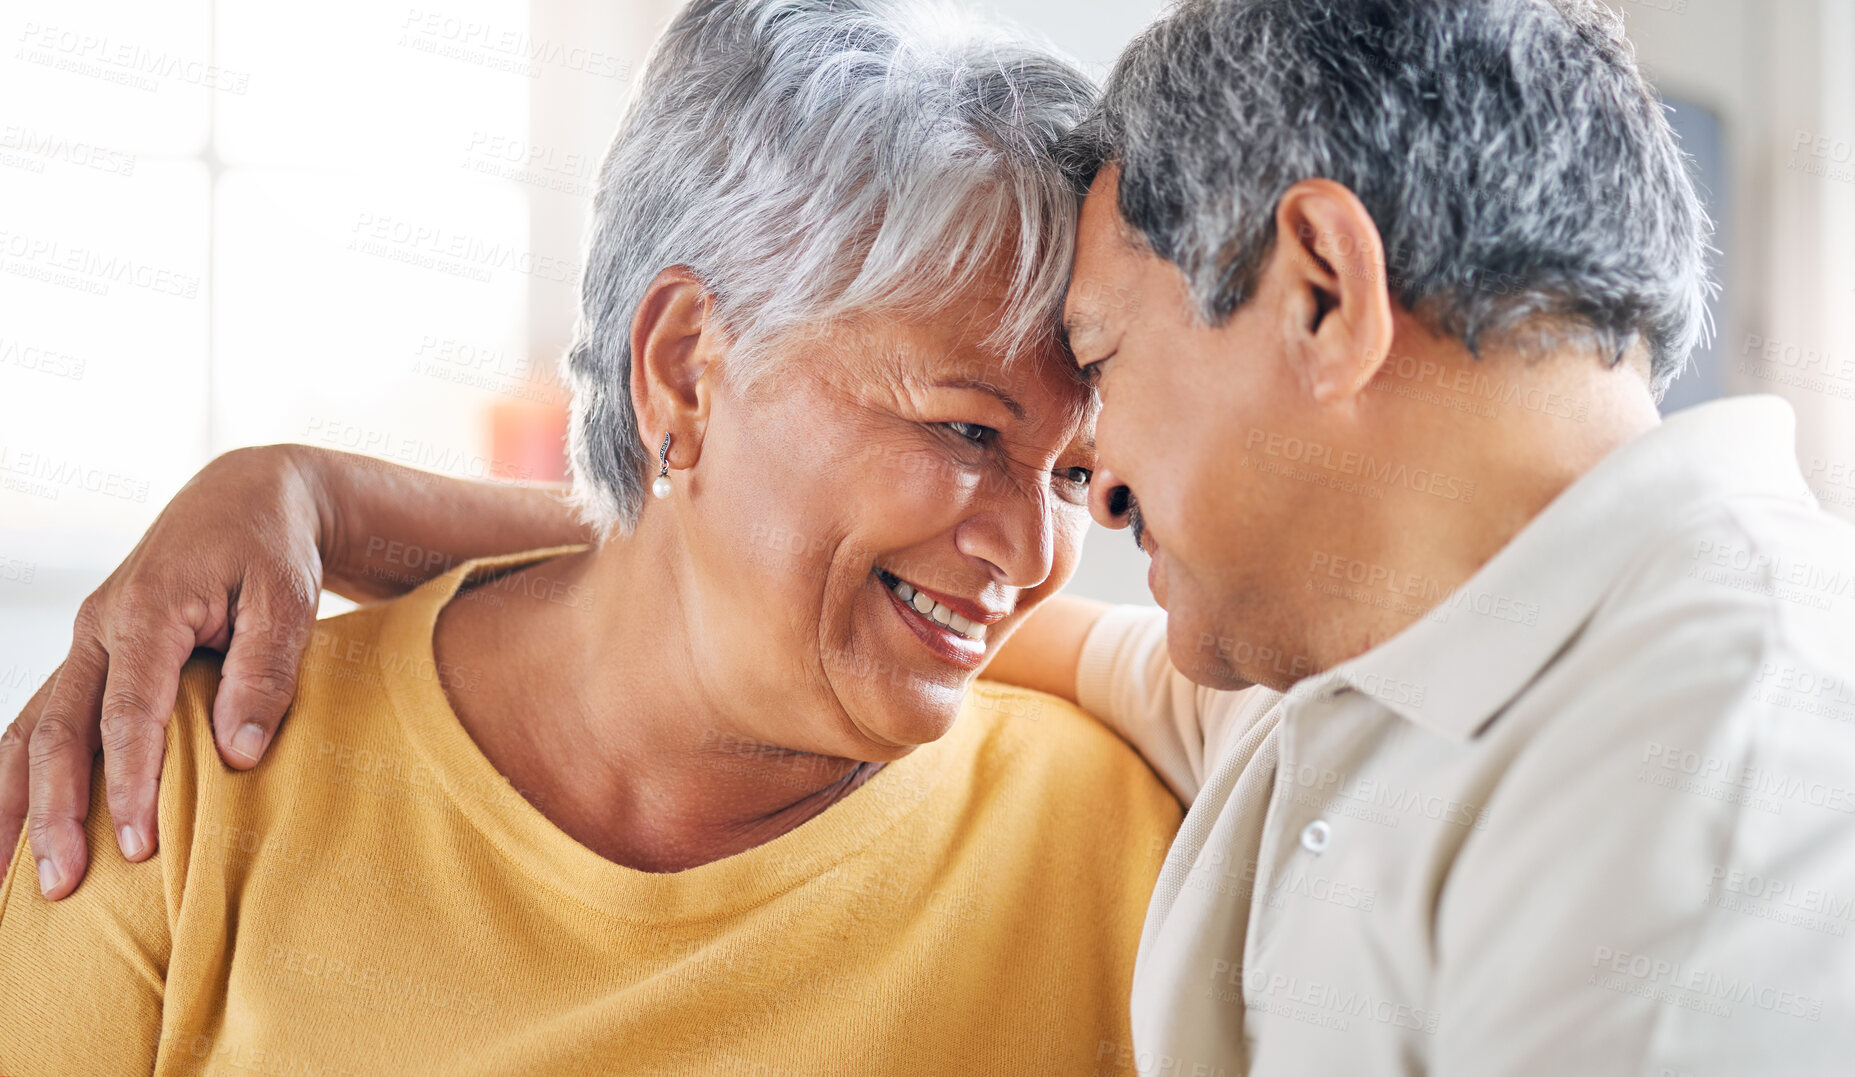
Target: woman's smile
column 936, row 626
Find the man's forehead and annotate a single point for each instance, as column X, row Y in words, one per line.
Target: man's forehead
column 1104, row 259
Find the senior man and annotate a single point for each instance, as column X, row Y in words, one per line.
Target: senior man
column 1379, row 297
column 1562, row 781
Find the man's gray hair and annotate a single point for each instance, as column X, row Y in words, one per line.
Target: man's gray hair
column 1526, row 183
column 811, row 160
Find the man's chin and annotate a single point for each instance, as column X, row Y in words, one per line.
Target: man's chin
column 1199, row 651
column 1202, row 665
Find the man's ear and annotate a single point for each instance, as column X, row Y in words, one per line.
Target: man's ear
column 674, row 341
column 1329, row 264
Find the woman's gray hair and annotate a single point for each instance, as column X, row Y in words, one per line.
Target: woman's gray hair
column 1528, row 187
column 811, row 160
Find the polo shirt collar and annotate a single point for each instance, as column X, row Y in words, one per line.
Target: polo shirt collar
column 1457, row 667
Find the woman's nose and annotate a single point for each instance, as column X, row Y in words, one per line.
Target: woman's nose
column 1109, row 499
column 1015, row 534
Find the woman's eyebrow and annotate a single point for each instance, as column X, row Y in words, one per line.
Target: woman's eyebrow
column 1016, row 409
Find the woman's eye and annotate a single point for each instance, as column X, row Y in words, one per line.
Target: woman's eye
column 972, row 432
column 1078, row 476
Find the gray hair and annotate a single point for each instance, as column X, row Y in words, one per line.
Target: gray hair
column 1521, row 172
column 810, row 161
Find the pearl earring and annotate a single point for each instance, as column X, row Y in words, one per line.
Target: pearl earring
column 660, row 486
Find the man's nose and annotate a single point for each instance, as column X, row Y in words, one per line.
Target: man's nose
column 1109, row 499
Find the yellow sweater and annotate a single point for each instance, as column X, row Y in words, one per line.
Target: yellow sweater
column 377, row 899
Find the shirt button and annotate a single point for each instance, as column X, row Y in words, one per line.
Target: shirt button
column 1315, row 835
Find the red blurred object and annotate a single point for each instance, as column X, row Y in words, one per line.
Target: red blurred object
column 528, row 441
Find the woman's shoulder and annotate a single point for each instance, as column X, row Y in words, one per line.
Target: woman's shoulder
column 1043, row 739
column 995, row 701
column 339, row 673
column 339, row 652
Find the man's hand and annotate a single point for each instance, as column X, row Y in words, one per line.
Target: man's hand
column 234, row 563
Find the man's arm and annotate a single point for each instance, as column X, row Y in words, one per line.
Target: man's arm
column 1045, row 651
column 1113, row 662
column 388, row 528
column 234, row 563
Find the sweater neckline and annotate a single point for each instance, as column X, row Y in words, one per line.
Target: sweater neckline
column 481, row 795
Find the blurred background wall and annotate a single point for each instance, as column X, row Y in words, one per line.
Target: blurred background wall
column 354, row 224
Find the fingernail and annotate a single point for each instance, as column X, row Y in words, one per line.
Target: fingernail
column 131, row 841
column 48, row 876
column 249, row 741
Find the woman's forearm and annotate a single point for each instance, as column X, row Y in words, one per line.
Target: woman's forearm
column 387, row 528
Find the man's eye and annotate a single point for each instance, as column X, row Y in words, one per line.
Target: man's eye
column 1077, row 476
column 972, row 432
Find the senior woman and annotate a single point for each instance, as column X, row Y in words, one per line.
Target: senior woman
column 693, row 799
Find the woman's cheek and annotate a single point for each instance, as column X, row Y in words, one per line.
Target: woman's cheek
column 1072, row 528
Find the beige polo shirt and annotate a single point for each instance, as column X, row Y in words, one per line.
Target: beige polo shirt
column 1594, row 814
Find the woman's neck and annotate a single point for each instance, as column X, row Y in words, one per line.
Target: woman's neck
column 591, row 704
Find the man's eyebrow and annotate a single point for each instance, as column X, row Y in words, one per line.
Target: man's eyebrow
column 1081, row 324
column 1016, row 409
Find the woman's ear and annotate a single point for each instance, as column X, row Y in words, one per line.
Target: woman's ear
column 674, row 341
column 1329, row 264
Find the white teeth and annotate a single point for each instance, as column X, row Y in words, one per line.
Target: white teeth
column 938, row 613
